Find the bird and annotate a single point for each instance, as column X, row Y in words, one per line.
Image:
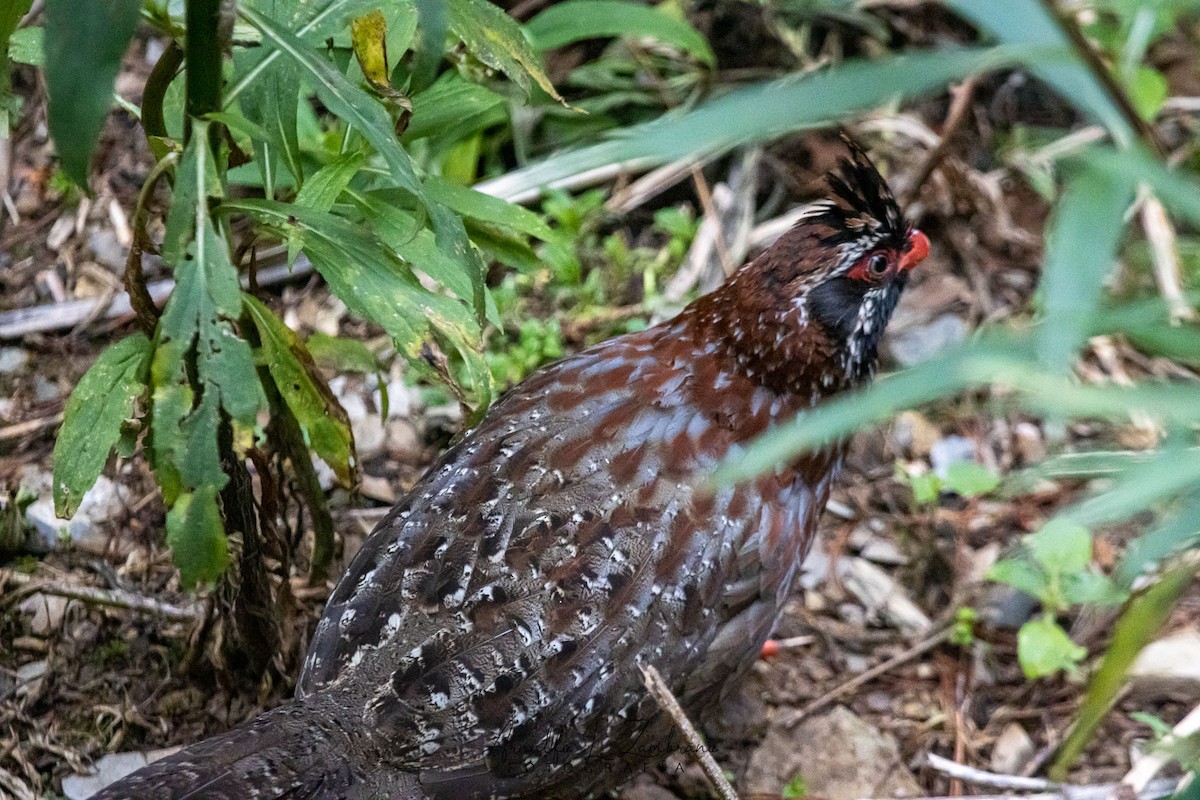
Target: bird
column 485, row 641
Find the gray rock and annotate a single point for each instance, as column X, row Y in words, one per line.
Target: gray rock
column 12, row 359
column 951, row 450
column 45, row 612
column 106, row 248
column 1012, row 750
column 839, row 756
column 1168, row 667
column 109, row 769
column 86, row 529
column 920, row 342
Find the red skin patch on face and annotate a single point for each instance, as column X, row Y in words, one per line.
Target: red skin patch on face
column 917, row 251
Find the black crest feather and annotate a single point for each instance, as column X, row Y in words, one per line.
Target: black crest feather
column 866, row 202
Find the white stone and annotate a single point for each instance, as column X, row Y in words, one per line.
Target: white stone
column 110, row 769
column 1169, row 666
column 1012, row 750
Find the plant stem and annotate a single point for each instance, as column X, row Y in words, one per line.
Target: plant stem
column 202, row 59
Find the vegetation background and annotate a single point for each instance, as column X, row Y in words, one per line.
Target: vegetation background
column 278, row 253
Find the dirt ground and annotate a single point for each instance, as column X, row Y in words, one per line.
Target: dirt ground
column 79, row 679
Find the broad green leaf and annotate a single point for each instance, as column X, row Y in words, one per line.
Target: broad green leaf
column 1061, row 547
column 84, row 42
column 326, row 185
column 101, row 403
column 497, row 40
column 453, row 108
column 374, row 283
column 1140, row 623
column 968, row 479
column 475, row 205
column 324, row 423
column 196, row 537
column 1081, row 249
column 1021, row 574
column 759, row 113
column 925, row 487
column 433, row 25
column 1044, row 649
column 25, row 46
column 272, row 102
column 573, row 20
column 1178, row 193
column 1147, row 91
column 1093, row 589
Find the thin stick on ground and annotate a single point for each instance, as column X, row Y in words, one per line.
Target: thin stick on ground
column 115, row 598
column 662, row 693
column 1046, row 790
column 918, row 649
column 1160, row 234
column 962, row 95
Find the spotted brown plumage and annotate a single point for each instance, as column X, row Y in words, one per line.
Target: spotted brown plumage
column 484, row 643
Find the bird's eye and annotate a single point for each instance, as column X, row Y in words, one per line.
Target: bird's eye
column 878, row 265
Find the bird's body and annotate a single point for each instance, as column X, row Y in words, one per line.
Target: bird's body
column 485, row 642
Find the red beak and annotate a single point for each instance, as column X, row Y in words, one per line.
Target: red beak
column 917, row 250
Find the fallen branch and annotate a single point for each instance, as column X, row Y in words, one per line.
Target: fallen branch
column 662, row 693
column 920, row 648
column 1046, row 789
column 114, row 598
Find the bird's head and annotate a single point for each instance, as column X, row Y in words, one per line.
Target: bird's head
column 820, row 297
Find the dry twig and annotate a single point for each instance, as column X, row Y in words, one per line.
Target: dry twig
column 662, row 693
column 920, row 648
column 1150, row 763
column 1047, row 790
column 115, row 598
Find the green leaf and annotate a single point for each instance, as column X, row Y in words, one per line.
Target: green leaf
column 198, row 345
column 1022, row 575
column 574, row 20
column 84, row 42
column 370, row 119
column 453, row 109
column 324, row 423
column 11, row 14
column 196, row 538
column 968, row 479
column 25, row 46
column 1180, row 530
column 104, row 399
column 326, row 185
column 1061, row 547
column 1093, row 589
column 1081, row 248
column 344, row 355
column 1043, row 648
column 469, row 203
column 374, row 283
column 497, row 40
column 925, row 487
column 1140, row 623
column 1147, row 91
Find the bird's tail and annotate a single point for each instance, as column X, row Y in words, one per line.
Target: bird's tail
column 299, row 751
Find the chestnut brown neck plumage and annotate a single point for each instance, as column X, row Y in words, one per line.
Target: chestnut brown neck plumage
column 485, row 640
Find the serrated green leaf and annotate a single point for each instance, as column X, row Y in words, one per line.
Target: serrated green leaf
column 1044, row 649
column 968, row 479
column 376, row 284
column 197, row 538
column 25, row 46
column 322, row 420
column 84, row 43
column 497, row 40
column 102, row 401
column 1061, row 547
column 1020, row 574
column 575, row 20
